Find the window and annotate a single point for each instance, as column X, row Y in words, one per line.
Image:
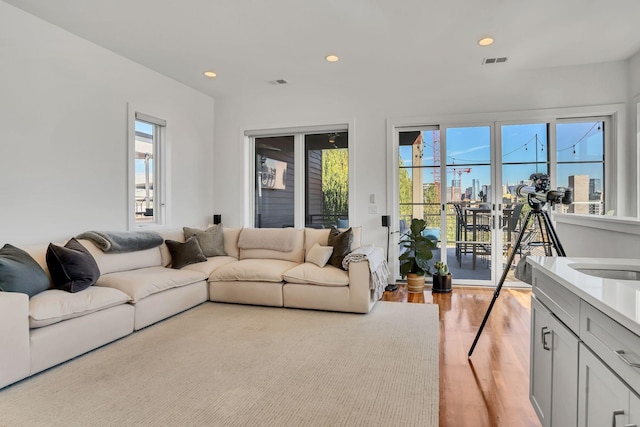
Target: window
column 274, row 190
column 301, row 178
column 525, row 151
column 461, row 174
column 146, row 184
column 580, row 150
column 326, row 180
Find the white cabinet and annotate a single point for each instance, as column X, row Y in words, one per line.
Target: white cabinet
column 585, row 344
column 553, row 369
column 604, row 400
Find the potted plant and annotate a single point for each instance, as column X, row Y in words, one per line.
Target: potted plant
column 441, row 278
column 414, row 261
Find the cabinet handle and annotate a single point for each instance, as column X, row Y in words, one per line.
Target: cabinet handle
column 615, row 414
column 621, row 355
column 545, row 332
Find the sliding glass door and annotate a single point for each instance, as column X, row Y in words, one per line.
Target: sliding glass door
column 419, row 180
column 462, row 179
column 453, row 199
column 469, row 201
column 302, row 180
column 524, row 151
column 274, row 188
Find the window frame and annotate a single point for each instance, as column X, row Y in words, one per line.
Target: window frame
column 616, row 149
column 159, row 169
column 607, row 156
column 249, row 137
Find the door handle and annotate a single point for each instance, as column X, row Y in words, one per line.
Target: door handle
column 545, row 333
column 615, row 414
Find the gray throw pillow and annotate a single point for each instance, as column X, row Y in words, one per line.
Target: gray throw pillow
column 19, row 272
column 185, row 253
column 72, row 267
column 211, row 240
column 341, row 242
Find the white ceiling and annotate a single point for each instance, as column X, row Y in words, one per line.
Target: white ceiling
column 251, row 42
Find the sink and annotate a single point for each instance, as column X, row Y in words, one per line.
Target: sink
column 619, row 272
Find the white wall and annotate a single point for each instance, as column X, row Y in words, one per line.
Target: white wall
column 634, row 121
column 370, row 105
column 63, row 134
column 600, row 237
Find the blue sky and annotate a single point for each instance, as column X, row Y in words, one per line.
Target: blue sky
column 469, row 147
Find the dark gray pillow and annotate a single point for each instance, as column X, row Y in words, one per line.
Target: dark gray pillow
column 72, row 267
column 185, row 253
column 19, row 272
column 211, row 240
column 341, row 242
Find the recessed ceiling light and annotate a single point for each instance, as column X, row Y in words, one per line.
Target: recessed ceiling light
column 485, row 41
column 210, row 74
column 332, row 58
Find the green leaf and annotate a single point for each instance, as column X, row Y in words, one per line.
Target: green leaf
column 417, row 226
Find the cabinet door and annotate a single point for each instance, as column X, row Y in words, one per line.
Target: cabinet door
column 540, row 362
column 603, row 400
column 564, row 376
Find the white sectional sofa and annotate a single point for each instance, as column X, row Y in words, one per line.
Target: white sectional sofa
column 137, row 289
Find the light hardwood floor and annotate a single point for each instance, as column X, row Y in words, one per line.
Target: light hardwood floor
column 492, row 387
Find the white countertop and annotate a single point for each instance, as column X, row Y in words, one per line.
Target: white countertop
column 618, row 299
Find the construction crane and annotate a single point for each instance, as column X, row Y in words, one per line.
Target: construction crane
column 457, row 183
column 435, row 146
column 435, row 135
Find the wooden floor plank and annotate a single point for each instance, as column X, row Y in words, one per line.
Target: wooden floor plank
column 491, row 388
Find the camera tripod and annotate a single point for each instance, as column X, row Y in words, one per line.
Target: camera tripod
column 549, row 239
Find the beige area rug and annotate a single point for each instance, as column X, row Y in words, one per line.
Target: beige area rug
column 235, row 365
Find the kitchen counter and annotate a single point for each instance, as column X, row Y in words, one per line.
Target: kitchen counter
column 618, row 299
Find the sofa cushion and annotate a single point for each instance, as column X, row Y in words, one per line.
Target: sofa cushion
column 253, row 237
column 321, row 237
column 112, row 262
column 252, row 270
column 55, row 305
column 211, row 240
column 165, row 255
column 71, row 266
column 210, row 265
column 341, row 242
column 319, row 255
column 185, row 253
column 309, row 273
column 143, row 282
column 19, row 272
column 231, row 236
column 230, row 242
column 276, row 239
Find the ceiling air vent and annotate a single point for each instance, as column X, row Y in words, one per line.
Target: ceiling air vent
column 494, row 60
column 277, row 82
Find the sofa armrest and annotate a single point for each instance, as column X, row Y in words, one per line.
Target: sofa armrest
column 360, row 294
column 15, row 357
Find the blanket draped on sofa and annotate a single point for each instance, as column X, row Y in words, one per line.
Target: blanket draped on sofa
column 123, row 241
column 377, row 265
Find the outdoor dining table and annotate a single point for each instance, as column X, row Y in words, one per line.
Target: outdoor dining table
column 478, row 217
column 481, row 221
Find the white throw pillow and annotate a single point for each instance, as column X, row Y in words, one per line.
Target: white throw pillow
column 319, row 255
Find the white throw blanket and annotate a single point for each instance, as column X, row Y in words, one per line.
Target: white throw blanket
column 377, row 265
